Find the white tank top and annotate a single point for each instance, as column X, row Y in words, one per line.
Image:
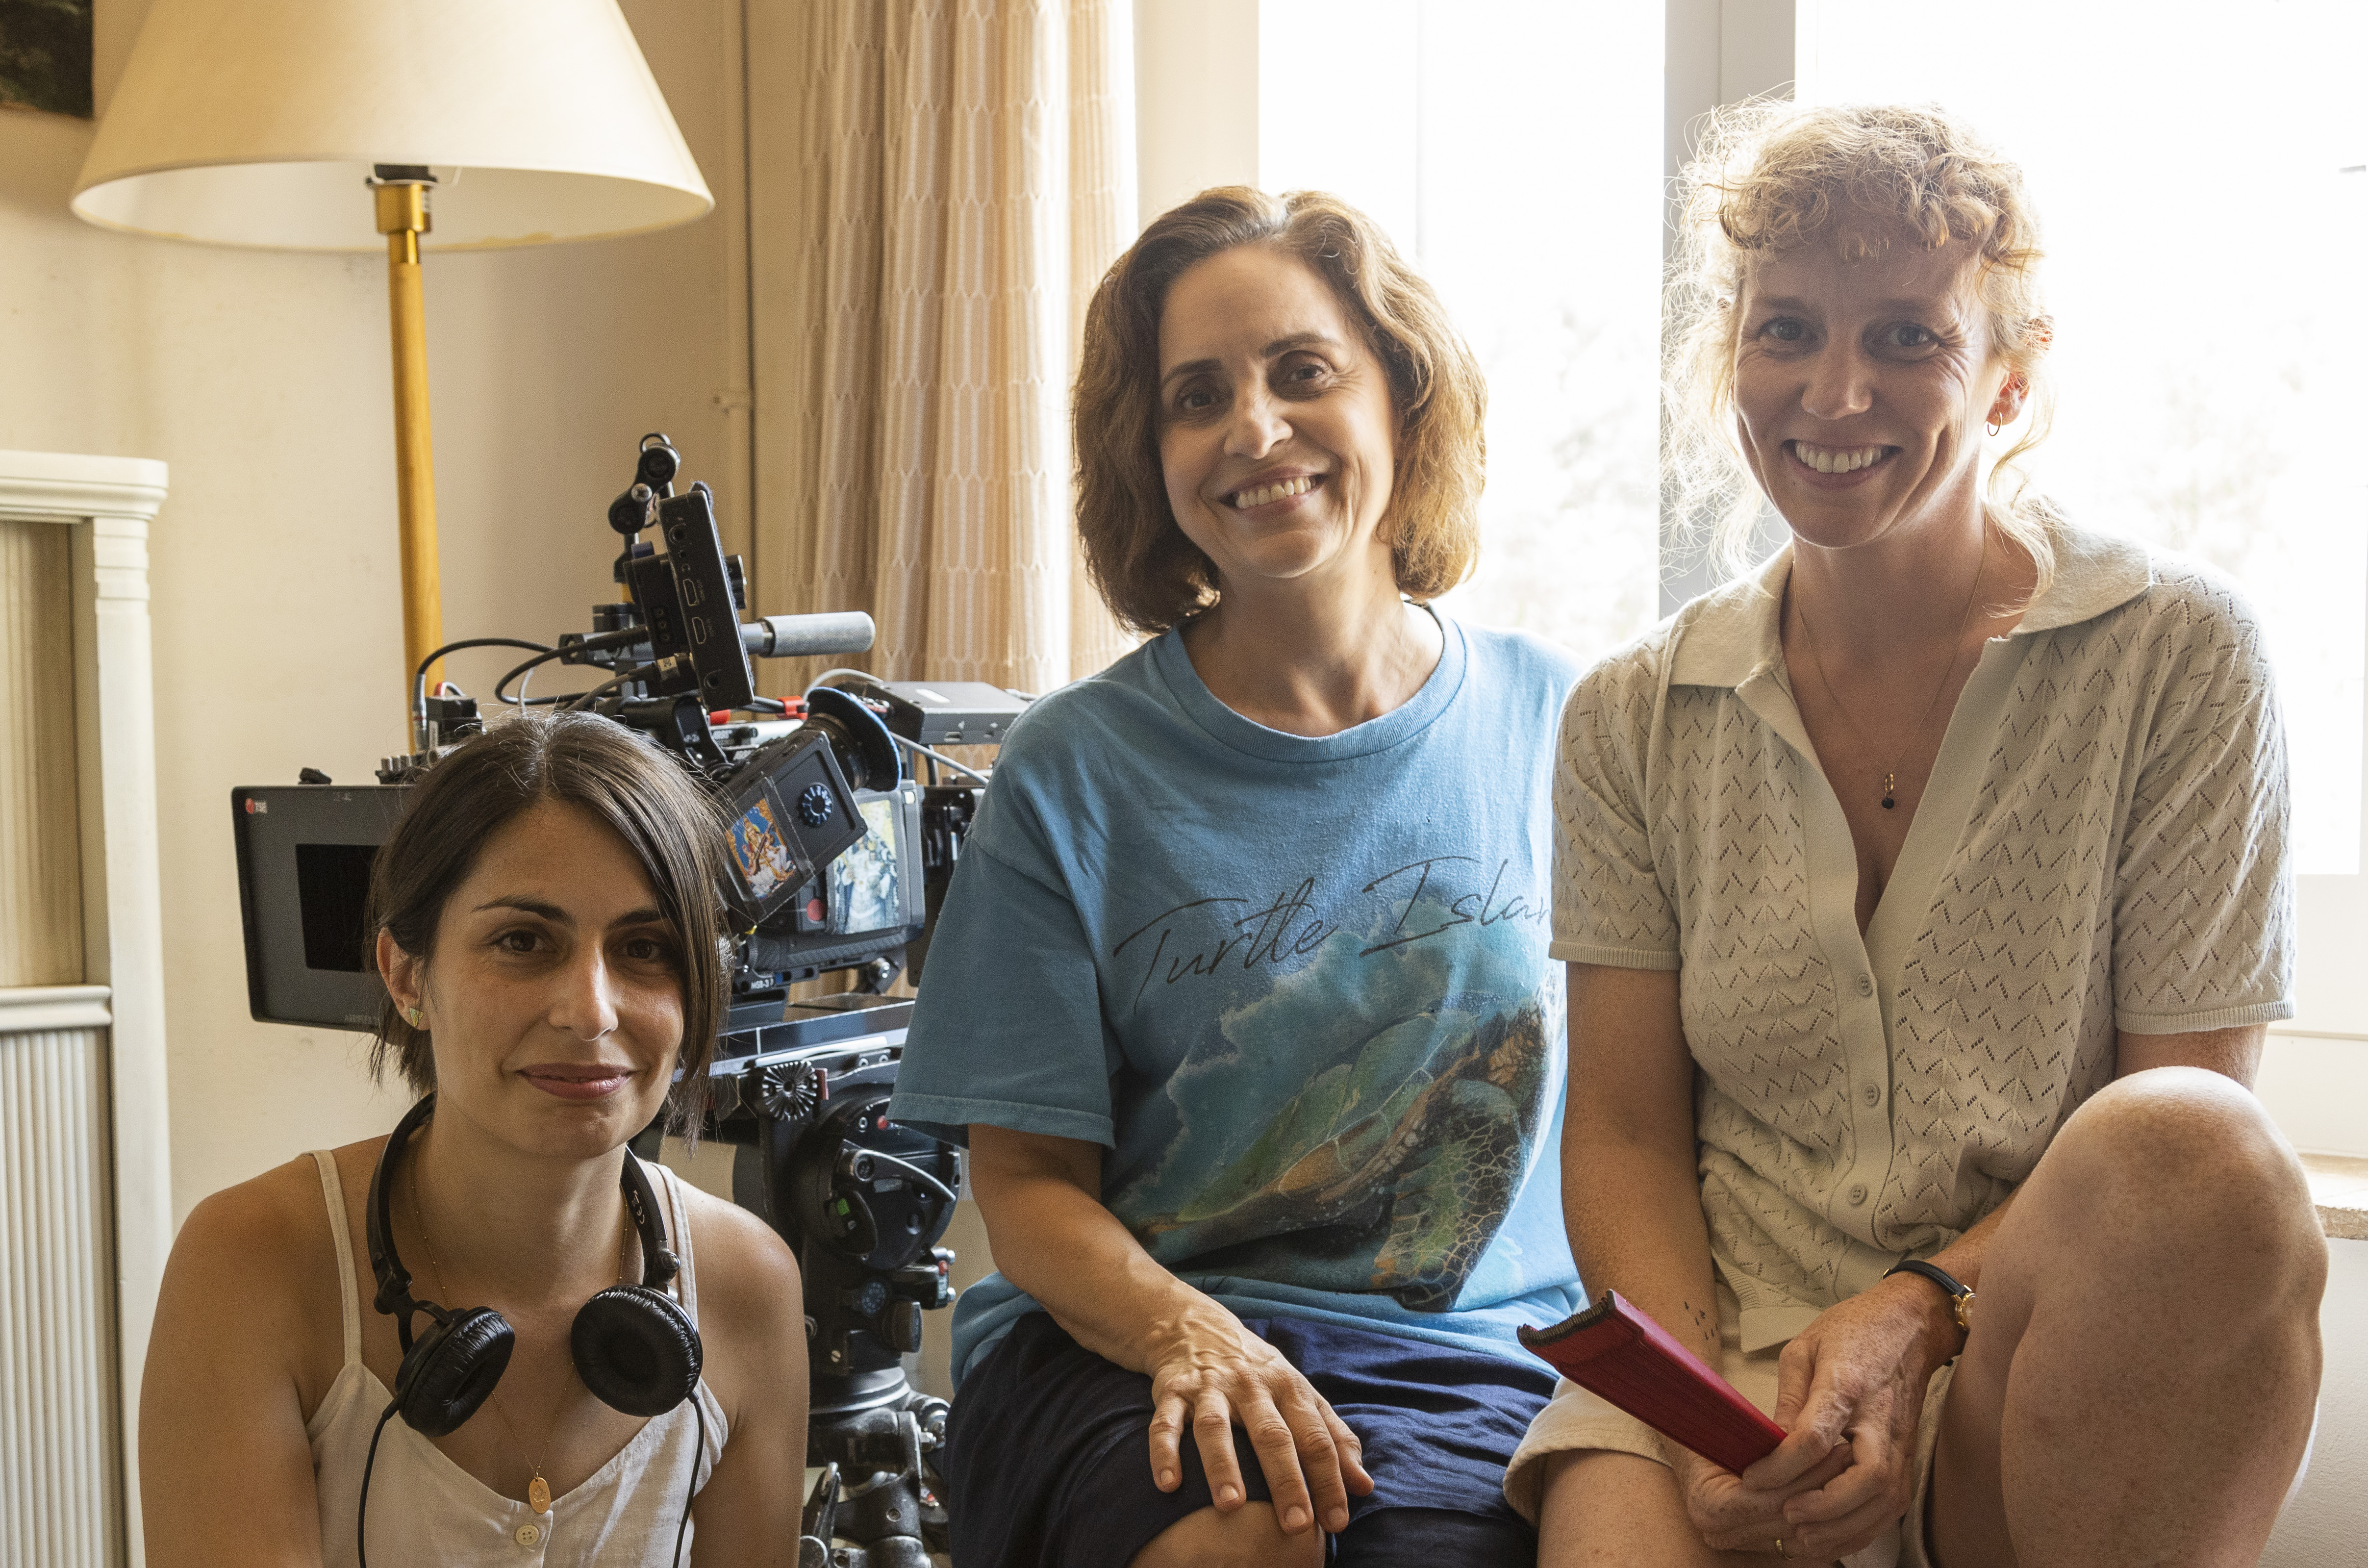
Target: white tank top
column 425, row 1509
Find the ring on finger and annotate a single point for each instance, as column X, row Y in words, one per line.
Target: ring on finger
column 1781, row 1549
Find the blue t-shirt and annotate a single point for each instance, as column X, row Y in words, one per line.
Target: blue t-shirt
column 1298, row 986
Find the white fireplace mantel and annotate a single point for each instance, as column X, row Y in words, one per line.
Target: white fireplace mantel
column 108, row 502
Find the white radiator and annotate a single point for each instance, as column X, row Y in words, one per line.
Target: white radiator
column 59, row 1479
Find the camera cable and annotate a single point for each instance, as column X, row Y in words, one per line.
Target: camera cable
column 916, row 1172
column 419, row 677
column 581, row 700
column 937, row 758
column 502, row 687
column 502, row 692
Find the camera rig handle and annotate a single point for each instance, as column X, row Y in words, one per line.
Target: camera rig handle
column 794, row 636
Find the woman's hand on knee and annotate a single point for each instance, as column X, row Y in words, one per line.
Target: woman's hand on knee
column 1211, row 1373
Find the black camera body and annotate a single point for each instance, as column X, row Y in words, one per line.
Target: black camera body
column 839, row 859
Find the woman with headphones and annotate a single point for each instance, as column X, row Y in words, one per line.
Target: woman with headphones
column 543, row 1349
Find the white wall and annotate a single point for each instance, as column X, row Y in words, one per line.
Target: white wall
column 264, row 381
column 1196, row 94
column 2323, row 1526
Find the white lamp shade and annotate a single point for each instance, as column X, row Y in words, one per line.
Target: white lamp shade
column 255, row 123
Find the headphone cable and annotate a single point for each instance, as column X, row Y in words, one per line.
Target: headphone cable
column 697, row 1454
column 361, row 1513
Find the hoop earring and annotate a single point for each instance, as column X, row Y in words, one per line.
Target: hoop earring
column 1992, row 426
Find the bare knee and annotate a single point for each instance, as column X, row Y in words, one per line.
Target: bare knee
column 2185, row 1158
column 1604, row 1509
column 1249, row 1536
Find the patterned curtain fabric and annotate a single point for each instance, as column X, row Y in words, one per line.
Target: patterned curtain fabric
column 935, row 187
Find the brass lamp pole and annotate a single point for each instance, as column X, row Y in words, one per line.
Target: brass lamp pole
column 401, row 191
column 249, row 122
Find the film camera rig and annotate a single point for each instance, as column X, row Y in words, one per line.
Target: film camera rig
column 839, row 859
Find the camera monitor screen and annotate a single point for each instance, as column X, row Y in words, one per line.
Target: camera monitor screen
column 868, row 900
column 867, row 882
column 304, row 858
column 304, row 854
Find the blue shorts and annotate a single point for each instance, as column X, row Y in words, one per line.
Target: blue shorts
column 1048, row 1461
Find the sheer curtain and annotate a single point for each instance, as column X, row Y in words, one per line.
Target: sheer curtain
column 935, row 187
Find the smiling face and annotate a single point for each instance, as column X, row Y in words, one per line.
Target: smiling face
column 1277, row 436
column 554, row 994
column 1860, row 386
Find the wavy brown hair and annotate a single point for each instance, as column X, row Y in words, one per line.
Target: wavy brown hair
column 668, row 822
column 1149, row 573
column 1773, row 177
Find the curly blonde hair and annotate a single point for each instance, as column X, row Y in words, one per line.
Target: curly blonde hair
column 1770, row 175
column 1149, row 573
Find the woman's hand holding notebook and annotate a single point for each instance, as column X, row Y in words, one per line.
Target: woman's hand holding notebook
column 1618, row 1353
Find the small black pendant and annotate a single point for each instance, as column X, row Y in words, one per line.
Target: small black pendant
column 1888, row 802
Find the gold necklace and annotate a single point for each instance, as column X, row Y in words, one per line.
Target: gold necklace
column 1809, row 634
column 538, row 1491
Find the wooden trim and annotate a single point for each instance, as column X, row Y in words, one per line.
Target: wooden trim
column 109, row 503
column 1715, row 53
column 29, row 1009
column 2339, row 1187
column 59, row 488
column 42, row 936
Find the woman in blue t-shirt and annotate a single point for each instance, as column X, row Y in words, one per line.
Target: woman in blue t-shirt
column 1241, row 990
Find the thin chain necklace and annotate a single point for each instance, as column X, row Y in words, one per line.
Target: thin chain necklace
column 1956, row 652
column 538, row 1491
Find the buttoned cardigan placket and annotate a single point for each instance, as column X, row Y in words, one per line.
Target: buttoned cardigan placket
column 1867, row 969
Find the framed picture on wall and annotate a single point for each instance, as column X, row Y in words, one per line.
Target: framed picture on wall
column 45, row 55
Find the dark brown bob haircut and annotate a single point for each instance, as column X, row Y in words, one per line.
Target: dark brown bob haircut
column 1149, row 573
column 623, row 781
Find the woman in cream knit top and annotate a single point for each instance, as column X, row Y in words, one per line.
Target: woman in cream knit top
column 1925, row 894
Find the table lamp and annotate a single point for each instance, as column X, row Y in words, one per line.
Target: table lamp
column 324, row 124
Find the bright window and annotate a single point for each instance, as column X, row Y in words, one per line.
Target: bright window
column 2198, row 170
column 2203, row 267
column 1513, row 149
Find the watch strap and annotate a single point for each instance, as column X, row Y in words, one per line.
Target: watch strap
column 1960, row 1294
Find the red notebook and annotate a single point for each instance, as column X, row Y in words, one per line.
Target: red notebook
column 1613, row 1350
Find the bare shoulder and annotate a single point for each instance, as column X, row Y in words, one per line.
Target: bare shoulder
column 263, row 1251
column 268, row 1227
column 745, row 1270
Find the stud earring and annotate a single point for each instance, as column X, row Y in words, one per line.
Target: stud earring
column 415, row 1018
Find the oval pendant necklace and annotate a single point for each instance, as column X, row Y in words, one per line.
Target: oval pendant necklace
column 1809, row 634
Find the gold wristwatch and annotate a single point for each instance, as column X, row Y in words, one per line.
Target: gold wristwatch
column 1961, row 1298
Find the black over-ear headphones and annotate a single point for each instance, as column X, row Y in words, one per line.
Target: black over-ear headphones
column 634, row 1347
